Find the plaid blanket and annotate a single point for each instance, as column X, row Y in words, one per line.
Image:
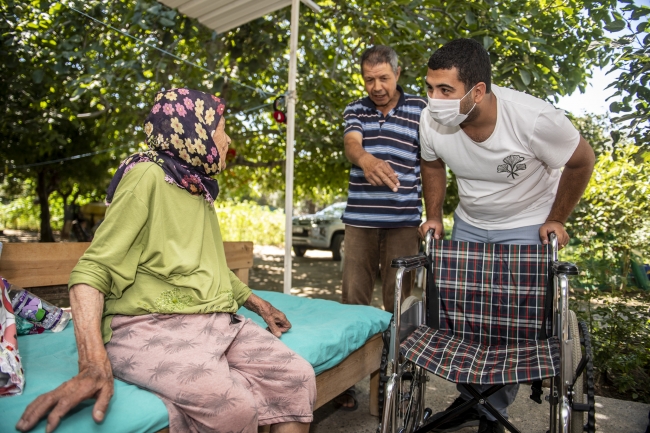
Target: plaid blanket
column 492, row 300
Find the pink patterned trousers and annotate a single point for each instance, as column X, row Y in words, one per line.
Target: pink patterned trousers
column 214, row 372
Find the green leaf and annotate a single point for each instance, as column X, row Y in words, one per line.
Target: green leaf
column 470, row 18
column 615, row 107
column 487, row 42
column 640, row 12
column 594, row 44
column 155, row 8
column 519, row 84
column 37, row 76
column 525, row 76
column 167, row 22
column 615, row 26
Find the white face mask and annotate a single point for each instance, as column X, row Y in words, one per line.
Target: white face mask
column 447, row 111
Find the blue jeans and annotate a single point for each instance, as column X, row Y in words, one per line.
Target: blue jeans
column 466, row 232
column 528, row 235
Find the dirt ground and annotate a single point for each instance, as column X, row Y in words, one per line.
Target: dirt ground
column 315, row 275
column 21, row 236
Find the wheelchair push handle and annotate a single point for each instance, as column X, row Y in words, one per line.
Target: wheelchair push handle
column 554, row 246
column 428, row 242
column 409, row 262
column 566, row 268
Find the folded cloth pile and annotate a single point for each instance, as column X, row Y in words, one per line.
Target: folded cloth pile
column 12, row 377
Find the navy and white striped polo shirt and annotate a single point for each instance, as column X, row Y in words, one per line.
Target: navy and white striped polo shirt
column 393, row 138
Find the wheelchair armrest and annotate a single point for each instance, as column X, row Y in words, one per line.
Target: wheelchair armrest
column 566, row 268
column 409, row 262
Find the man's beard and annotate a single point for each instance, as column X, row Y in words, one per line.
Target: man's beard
column 465, row 107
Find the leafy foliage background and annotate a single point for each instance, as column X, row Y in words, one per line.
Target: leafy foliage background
column 69, row 85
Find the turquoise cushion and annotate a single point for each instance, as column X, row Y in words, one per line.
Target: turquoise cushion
column 49, row 359
column 323, row 332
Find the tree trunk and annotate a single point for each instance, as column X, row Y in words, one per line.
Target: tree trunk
column 68, row 213
column 311, row 207
column 625, row 270
column 43, row 197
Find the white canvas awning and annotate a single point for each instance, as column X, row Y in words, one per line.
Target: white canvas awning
column 224, row 15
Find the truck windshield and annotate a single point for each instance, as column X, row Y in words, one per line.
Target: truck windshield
column 332, row 211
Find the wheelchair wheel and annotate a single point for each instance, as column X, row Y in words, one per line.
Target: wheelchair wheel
column 408, row 302
column 577, row 418
column 584, row 383
column 585, row 340
column 408, row 398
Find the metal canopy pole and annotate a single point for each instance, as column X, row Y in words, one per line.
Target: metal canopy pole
column 291, row 123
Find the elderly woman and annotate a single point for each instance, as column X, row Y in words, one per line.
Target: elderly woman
column 155, row 304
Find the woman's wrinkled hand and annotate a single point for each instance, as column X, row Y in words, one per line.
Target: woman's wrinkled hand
column 277, row 321
column 95, row 380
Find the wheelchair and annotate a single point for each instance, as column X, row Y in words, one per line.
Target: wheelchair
column 508, row 300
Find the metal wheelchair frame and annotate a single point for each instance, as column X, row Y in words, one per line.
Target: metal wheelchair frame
column 404, row 409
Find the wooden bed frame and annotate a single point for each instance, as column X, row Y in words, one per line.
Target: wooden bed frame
column 40, row 266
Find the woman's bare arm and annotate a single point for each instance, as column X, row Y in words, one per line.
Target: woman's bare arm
column 95, row 377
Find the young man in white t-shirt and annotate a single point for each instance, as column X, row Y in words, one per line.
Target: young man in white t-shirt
column 507, row 150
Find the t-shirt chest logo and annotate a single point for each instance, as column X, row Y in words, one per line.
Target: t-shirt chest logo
column 512, row 165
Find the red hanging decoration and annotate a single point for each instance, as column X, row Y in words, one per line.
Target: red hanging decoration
column 278, row 114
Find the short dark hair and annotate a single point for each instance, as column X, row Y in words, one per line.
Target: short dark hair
column 470, row 59
column 380, row 54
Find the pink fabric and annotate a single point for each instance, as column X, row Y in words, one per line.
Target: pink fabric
column 214, row 372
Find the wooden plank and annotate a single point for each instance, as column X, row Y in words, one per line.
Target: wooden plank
column 40, row 264
column 374, row 393
column 55, row 295
column 49, row 264
column 239, row 255
column 242, row 274
column 361, row 363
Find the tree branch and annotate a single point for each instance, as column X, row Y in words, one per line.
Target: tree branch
column 244, row 162
column 93, row 114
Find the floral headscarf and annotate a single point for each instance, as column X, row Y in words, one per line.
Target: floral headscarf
column 179, row 132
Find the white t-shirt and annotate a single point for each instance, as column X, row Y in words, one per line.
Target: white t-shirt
column 510, row 179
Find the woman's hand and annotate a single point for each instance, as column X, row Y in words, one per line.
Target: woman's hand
column 95, row 380
column 273, row 317
column 95, row 377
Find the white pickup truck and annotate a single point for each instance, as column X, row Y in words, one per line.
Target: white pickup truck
column 323, row 230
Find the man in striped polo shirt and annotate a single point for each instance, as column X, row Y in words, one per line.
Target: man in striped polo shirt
column 385, row 196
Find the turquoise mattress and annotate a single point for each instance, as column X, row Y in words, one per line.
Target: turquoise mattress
column 323, row 332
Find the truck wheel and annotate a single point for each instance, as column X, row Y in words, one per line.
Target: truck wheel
column 337, row 247
column 299, row 251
